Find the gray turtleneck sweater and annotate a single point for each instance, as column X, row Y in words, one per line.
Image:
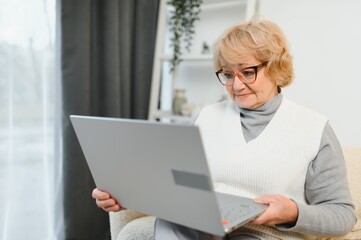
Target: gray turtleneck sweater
column 326, row 180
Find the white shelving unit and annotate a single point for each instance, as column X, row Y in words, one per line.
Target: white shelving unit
column 195, row 73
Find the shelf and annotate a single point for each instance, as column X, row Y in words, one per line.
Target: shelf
column 174, row 118
column 189, row 57
column 216, row 4
column 196, row 69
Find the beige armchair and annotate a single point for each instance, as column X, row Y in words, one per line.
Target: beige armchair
column 130, row 225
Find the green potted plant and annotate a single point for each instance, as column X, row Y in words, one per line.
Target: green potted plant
column 183, row 16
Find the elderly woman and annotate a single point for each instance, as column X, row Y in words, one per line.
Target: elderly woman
column 264, row 146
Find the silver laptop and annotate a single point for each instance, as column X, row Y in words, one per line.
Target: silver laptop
column 161, row 170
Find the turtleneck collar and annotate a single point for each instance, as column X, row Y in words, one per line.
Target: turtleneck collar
column 255, row 120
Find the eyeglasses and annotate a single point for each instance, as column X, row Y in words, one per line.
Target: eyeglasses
column 246, row 75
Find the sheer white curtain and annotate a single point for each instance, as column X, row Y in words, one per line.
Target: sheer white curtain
column 27, row 90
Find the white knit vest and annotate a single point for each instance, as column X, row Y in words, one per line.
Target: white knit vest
column 275, row 162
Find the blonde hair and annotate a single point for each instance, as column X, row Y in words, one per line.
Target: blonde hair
column 261, row 39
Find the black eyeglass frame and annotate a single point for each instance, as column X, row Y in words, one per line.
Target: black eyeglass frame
column 255, row 68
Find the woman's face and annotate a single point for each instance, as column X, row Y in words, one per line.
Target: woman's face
column 251, row 95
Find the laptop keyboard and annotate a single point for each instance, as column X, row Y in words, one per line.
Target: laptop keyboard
column 234, row 212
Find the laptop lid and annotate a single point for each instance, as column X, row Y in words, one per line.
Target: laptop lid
column 154, row 168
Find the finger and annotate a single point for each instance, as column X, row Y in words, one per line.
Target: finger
column 114, row 208
column 266, row 222
column 98, row 194
column 105, row 203
column 265, row 199
column 263, row 219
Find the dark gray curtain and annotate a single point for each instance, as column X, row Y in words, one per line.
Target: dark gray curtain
column 106, row 66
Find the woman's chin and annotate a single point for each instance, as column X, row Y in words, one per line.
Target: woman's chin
column 244, row 101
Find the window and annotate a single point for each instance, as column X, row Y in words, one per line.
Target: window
column 27, row 90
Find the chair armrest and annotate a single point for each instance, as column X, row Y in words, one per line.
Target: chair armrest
column 138, row 229
column 354, row 235
column 119, row 219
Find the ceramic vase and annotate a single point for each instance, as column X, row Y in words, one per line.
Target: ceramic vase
column 178, row 101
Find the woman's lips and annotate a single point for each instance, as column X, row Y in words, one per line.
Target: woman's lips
column 243, row 95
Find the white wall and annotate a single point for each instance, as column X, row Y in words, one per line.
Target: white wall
column 325, row 39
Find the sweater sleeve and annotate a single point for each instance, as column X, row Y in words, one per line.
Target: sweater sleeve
column 330, row 211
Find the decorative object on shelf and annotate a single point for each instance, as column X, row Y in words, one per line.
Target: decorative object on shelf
column 205, row 48
column 181, row 21
column 187, row 109
column 178, row 101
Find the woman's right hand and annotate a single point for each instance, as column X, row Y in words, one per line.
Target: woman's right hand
column 105, row 201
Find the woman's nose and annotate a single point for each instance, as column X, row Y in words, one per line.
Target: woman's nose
column 237, row 83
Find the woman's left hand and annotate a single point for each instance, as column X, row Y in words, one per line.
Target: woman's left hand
column 280, row 210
